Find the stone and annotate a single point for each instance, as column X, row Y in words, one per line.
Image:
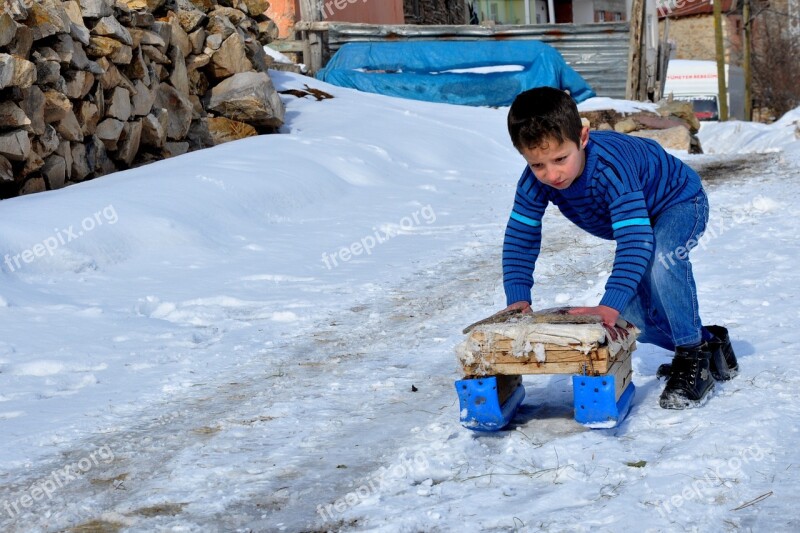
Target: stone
column 129, row 142
column 626, row 125
column 56, row 106
column 179, row 77
column 199, row 136
column 46, row 18
column 137, row 5
column 190, row 19
column 15, row 145
column 179, row 36
column 48, row 72
column 214, row 42
column 652, row 122
column 119, row 106
column 154, row 54
column 55, row 171
column 164, row 30
column 248, row 97
column 98, row 157
column 680, row 109
column 8, row 29
column 69, row 129
column 65, row 150
column 116, row 51
column 137, row 19
column 11, row 116
column 109, row 131
column 225, row 130
column 268, row 31
column 141, row 36
column 6, row 170
column 96, row 8
column 258, row 57
column 80, row 33
column 677, row 138
column 219, row 24
column 33, row 185
column 23, row 42
column 253, row 7
column 197, row 61
column 142, row 99
column 88, row 115
column 174, row 149
column 110, row 27
column 230, row 59
column 32, row 164
column 17, row 9
column 197, row 39
column 33, row 102
column 16, row 72
column 154, row 128
column 80, row 162
column 111, row 77
column 137, row 69
column 234, row 15
column 46, row 144
column 73, row 10
column 79, row 83
column 179, row 110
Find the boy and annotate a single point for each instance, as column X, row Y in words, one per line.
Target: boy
column 628, row 189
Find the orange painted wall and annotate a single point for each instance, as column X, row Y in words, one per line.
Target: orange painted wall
column 286, row 12
column 369, row 11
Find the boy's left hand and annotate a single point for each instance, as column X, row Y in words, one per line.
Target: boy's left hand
column 608, row 314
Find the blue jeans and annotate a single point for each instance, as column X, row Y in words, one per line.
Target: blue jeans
column 665, row 306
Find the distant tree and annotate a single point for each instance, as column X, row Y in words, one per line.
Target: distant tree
column 776, row 47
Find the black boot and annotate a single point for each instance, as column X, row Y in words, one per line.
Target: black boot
column 690, row 379
column 723, row 361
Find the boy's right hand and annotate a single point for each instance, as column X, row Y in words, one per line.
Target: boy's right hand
column 522, row 307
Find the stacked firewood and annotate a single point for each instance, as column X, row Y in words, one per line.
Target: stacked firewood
column 88, row 87
column 673, row 125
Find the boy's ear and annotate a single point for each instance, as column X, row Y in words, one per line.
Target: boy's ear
column 584, row 136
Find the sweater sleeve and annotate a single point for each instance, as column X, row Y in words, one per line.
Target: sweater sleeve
column 630, row 221
column 523, row 239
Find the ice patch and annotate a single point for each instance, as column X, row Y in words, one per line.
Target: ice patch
column 284, row 316
column 39, row 368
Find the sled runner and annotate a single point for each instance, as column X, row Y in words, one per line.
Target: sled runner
column 500, row 349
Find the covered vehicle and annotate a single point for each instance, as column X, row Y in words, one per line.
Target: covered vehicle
column 478, row 73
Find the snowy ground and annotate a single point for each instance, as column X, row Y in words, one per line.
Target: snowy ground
column 186, row 347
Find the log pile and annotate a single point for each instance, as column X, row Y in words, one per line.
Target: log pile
column 674, row 125
column 88, row 87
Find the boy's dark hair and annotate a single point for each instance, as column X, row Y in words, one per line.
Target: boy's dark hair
column 541, row 114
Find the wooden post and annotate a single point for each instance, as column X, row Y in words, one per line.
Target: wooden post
column 635, row 59
column 311, row 11
column 721, row 81
column 746, row 60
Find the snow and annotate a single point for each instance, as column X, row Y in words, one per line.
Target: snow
column 177, row 353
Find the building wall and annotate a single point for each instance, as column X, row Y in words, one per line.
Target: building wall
column 286, row 12
column 693, row 37
column 435, row 11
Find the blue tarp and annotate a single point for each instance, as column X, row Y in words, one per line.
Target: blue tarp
column 415, row 69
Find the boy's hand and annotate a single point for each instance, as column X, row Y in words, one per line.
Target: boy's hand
column 608, row 314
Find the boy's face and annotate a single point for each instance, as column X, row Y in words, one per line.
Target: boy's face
column 557, row 165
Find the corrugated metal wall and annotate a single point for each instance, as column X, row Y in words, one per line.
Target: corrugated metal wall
column 598, row 52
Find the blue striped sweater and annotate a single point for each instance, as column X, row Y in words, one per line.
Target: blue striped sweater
column 625, row 184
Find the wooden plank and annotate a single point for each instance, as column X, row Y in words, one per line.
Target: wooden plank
column 622, row 371
column 597, row 368
column 287, row 46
